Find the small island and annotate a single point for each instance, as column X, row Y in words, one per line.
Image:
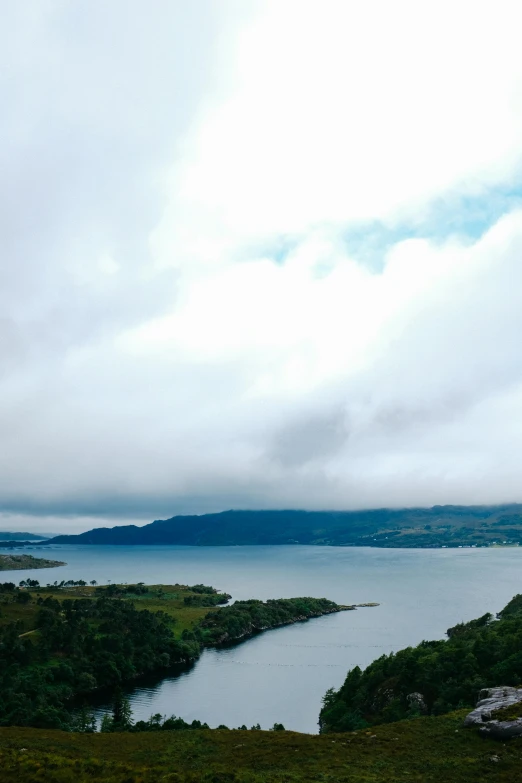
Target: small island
column 25, row 562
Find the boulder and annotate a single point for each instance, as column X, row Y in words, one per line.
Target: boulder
column 502, row 729
column 491, row 700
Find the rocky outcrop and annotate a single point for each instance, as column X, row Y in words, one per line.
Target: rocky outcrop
column 490, row 701
column 416, row 702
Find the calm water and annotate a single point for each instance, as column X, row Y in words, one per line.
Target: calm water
column 282, row 675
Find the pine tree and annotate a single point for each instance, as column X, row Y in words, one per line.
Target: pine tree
column 121, row 712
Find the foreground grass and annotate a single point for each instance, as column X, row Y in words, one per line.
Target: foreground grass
column 420, row 750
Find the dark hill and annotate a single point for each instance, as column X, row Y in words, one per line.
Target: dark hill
column 8, row 536
column 412, row 527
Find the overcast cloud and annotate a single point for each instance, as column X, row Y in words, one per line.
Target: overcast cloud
column 257, row 255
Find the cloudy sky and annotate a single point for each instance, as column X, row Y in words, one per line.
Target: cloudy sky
column 258, row 254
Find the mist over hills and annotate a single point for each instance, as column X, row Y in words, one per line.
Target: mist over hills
column 10, row 536
column 411, row 527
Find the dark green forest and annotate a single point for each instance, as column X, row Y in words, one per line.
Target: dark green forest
column 245, row 618
column 447, row 674
column 80, row 645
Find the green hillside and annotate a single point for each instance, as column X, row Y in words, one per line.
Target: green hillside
column 414, row 751
column 445, row 674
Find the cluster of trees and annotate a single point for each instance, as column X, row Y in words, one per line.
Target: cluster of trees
column 244, row 618
column 120, row 719
column 60, row 585
column 434, row 677
column 13, row 593
column 201, row 594
column 205, row 596
column 203, row 589
column 207, row 600
column 80, row 645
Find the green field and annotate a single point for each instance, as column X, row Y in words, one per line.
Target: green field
column 164, row 598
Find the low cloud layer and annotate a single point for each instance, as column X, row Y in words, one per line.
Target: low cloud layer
column 258, row 255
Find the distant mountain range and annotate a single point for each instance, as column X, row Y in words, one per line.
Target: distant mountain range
column 8, row 536
column 410, row 527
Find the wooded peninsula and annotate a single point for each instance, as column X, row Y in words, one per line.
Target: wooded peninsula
column 72, row 638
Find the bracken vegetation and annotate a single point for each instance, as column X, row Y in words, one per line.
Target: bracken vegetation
column 423, row 750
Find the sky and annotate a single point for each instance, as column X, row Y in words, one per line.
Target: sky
column 258, row 254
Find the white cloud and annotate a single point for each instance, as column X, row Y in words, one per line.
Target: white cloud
column 348, row 111
column 185, row 325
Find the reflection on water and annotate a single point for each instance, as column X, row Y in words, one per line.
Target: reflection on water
column 281, row 675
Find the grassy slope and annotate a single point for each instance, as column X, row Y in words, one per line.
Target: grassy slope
column 172, row 603
column 420, row 750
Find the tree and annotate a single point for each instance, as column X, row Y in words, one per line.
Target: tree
column 86, row 682
column 84, row 721
column 94, row 582
column 107, row 724
column 121, row 712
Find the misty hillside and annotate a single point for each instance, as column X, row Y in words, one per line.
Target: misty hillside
column 414, row 527
column 9, row 536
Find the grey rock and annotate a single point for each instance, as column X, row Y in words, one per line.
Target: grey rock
column 502, row 729
column 491, row 700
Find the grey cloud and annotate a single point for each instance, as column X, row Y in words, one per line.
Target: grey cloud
column 310, row 438
column 94, row 99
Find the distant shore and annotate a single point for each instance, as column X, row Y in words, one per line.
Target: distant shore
column 26, row 562
column 441, row 527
